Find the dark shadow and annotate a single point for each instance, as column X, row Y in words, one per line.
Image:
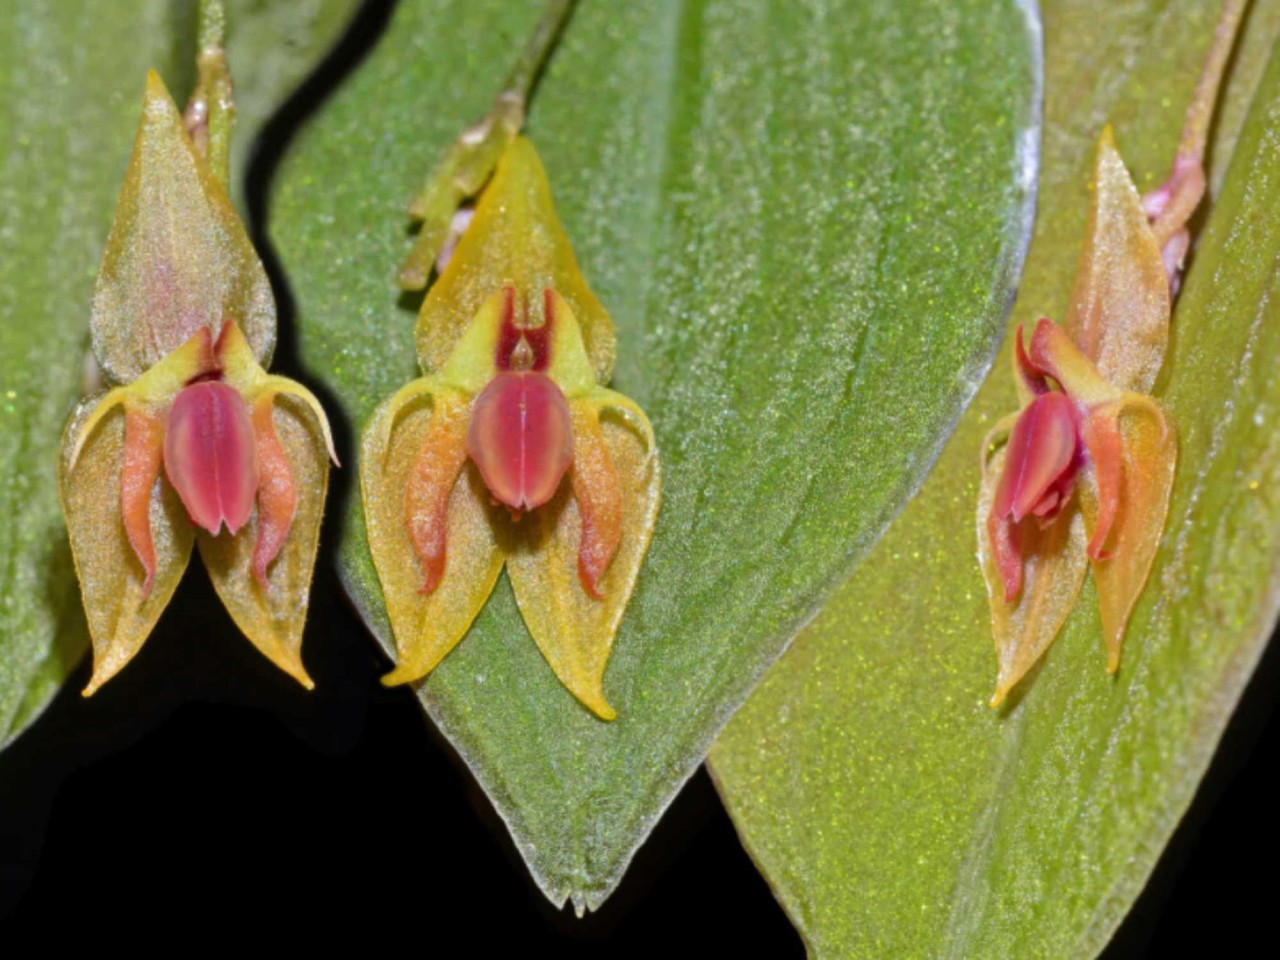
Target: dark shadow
column 1214, row 877
column 71, row 635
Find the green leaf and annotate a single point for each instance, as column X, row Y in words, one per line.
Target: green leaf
column 893, row 813
column 71, row 86
column 805, row 219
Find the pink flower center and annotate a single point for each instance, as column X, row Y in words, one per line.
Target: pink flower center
column 1041, row 463
column 209, row 455
column 521, row 438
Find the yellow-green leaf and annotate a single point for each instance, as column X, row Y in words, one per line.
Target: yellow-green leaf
column 893, row 813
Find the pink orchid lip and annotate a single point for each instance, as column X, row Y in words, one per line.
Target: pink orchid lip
column 1031, row 375
column 1041, row 459
column 1041, row 463
column 210, row 455
column 521, row 438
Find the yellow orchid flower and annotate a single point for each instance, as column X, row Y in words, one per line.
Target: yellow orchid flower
column 1081, row 476
column 196, row 436
column 511, row 451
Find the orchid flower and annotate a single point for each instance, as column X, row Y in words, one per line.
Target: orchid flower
column 511, row 451
column 196, row 440
column 1081, row 476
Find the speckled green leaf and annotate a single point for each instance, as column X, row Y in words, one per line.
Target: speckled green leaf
column 805, row 219
column 891, row 810
column 71, row 79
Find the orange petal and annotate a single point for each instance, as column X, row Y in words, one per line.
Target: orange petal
column 574, row 630
column 599, row 498
column 515, row 240
column 1054, row 352
column 143, row 449
column 277, row 493
column 1120, row 305
column 426, row 625
column 177, row 259
column 435, row 472
column 1054, row 564
column 122, row 598
column 269, row 605
column 1040, row 455
column 1149, row 449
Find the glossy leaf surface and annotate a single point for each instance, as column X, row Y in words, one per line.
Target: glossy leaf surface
column 71, row 81
column 893, row 812
column 804, row 220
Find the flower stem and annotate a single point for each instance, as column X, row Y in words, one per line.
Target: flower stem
column 1195, row 131
column 524, row 75
column 1170, row 206
column 470, row 160
column 210, row 111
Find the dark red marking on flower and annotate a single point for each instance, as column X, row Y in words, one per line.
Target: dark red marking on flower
column 1041, row 462
column 535, row 353
column 521, row 438
column 210, row 456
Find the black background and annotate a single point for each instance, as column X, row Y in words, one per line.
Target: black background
column 202, row 790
